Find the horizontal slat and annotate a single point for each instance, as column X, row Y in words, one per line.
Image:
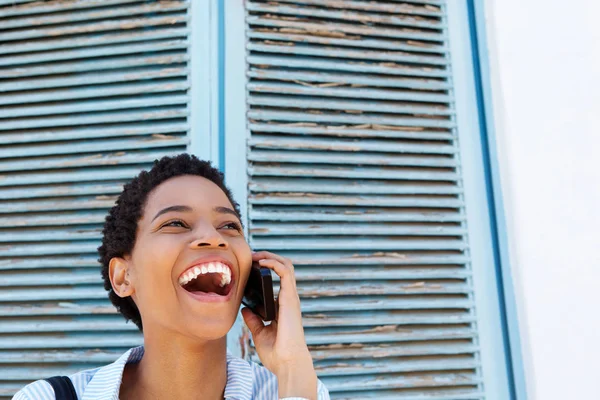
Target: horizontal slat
column 93, row 325
column 351, row 16
column 96, row 132
column 57, row 219
column 373, row 382
column 95, row 118
column 13, row 3
column 394, row 365
column 379, row 317
column 393, row 243
column 49, row 235
column 331, row 258
column 91, row 106
column 81, row 189
column 385, row 334
column 31, row 263
column 101, row 159
column 60, row 48
column 319, row 63
column 337, row 52
column 93, row 27
column 88, row 79
column 314, row 199
column 117, row 172
column 50, row 278
column 383, row 303
column 363, row 145
column 326, row 80
column 370, row 287
column 361, row 272
column 89, row 52
column 258, row 229
column 473, row 393
column 347, row 172
column 347, row 28
column 54, row 293
column 140, row 62
column 94, row 14
column 354, row 214
column 50, row 6
column 56, row 248
column 82, row 203
column 351, row 131
column 359, row 351
column 104, row 356
column 94, row 340
column 297, row 37
column 389, row 106
column 354, row 157
column 60, row 308
column 424, row 7
column 92, row 147
column 268, row 115
column 29, row 373
column 85, row 93
column 344, row 186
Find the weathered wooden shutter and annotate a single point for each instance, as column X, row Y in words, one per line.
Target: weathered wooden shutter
column 90, row 92
column 354, row 174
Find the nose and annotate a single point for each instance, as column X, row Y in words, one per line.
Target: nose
column 207, row 236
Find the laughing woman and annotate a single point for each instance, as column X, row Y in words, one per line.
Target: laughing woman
column 167, row 221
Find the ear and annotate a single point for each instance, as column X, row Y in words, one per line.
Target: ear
column 118, row 271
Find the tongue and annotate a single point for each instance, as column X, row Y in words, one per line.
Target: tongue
column 208, row 283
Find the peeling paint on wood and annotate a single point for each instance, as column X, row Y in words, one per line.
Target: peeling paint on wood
column 354, row 176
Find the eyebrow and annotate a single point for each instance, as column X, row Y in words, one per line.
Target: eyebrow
column 182, row 208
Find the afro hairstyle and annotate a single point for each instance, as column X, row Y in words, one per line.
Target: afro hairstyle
column 120, row 225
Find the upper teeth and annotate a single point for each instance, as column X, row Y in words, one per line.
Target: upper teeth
column 208, row 268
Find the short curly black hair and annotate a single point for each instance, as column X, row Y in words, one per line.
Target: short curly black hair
column 120, row 225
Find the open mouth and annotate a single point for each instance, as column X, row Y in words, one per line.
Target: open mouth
column 212, row 278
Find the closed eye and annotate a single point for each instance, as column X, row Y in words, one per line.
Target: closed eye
column 175, row 223
column 233, row 225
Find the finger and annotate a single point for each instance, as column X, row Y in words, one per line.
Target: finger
column 267, row 254
column 288, row 292
column 253, row 322
column 285, row 272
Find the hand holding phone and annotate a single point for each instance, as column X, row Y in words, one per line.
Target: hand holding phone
column 258, row 294
column 281, row 345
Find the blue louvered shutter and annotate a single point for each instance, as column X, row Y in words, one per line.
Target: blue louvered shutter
column 90, row 93
column 355, row 174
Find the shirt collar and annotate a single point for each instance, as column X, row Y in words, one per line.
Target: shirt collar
column 106, row 383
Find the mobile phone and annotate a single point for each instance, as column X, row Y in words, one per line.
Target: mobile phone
column 258, row 295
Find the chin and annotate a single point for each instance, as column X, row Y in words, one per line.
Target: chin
column 210, row 327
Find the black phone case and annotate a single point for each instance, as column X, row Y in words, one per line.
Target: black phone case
column 258, row 295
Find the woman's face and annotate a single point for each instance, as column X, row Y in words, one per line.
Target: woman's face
column 188, row 228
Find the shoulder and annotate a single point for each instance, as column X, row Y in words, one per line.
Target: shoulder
column 42, row 390
column 37, row 390
column 263, row 381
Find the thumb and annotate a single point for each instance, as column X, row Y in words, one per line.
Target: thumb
column 253, row 322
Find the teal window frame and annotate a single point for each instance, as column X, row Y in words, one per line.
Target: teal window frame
column 481, row 70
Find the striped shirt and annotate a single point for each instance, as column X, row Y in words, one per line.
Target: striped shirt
column 245, row 381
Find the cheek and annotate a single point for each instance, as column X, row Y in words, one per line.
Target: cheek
column 243, row 253
column 154, row 260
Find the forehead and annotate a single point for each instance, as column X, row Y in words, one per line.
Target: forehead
column 194, row 191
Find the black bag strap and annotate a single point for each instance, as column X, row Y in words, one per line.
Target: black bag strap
column 63, row 387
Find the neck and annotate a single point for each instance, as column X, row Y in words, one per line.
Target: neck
column 178, row 368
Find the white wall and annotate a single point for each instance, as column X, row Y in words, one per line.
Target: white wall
column 545, row 73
